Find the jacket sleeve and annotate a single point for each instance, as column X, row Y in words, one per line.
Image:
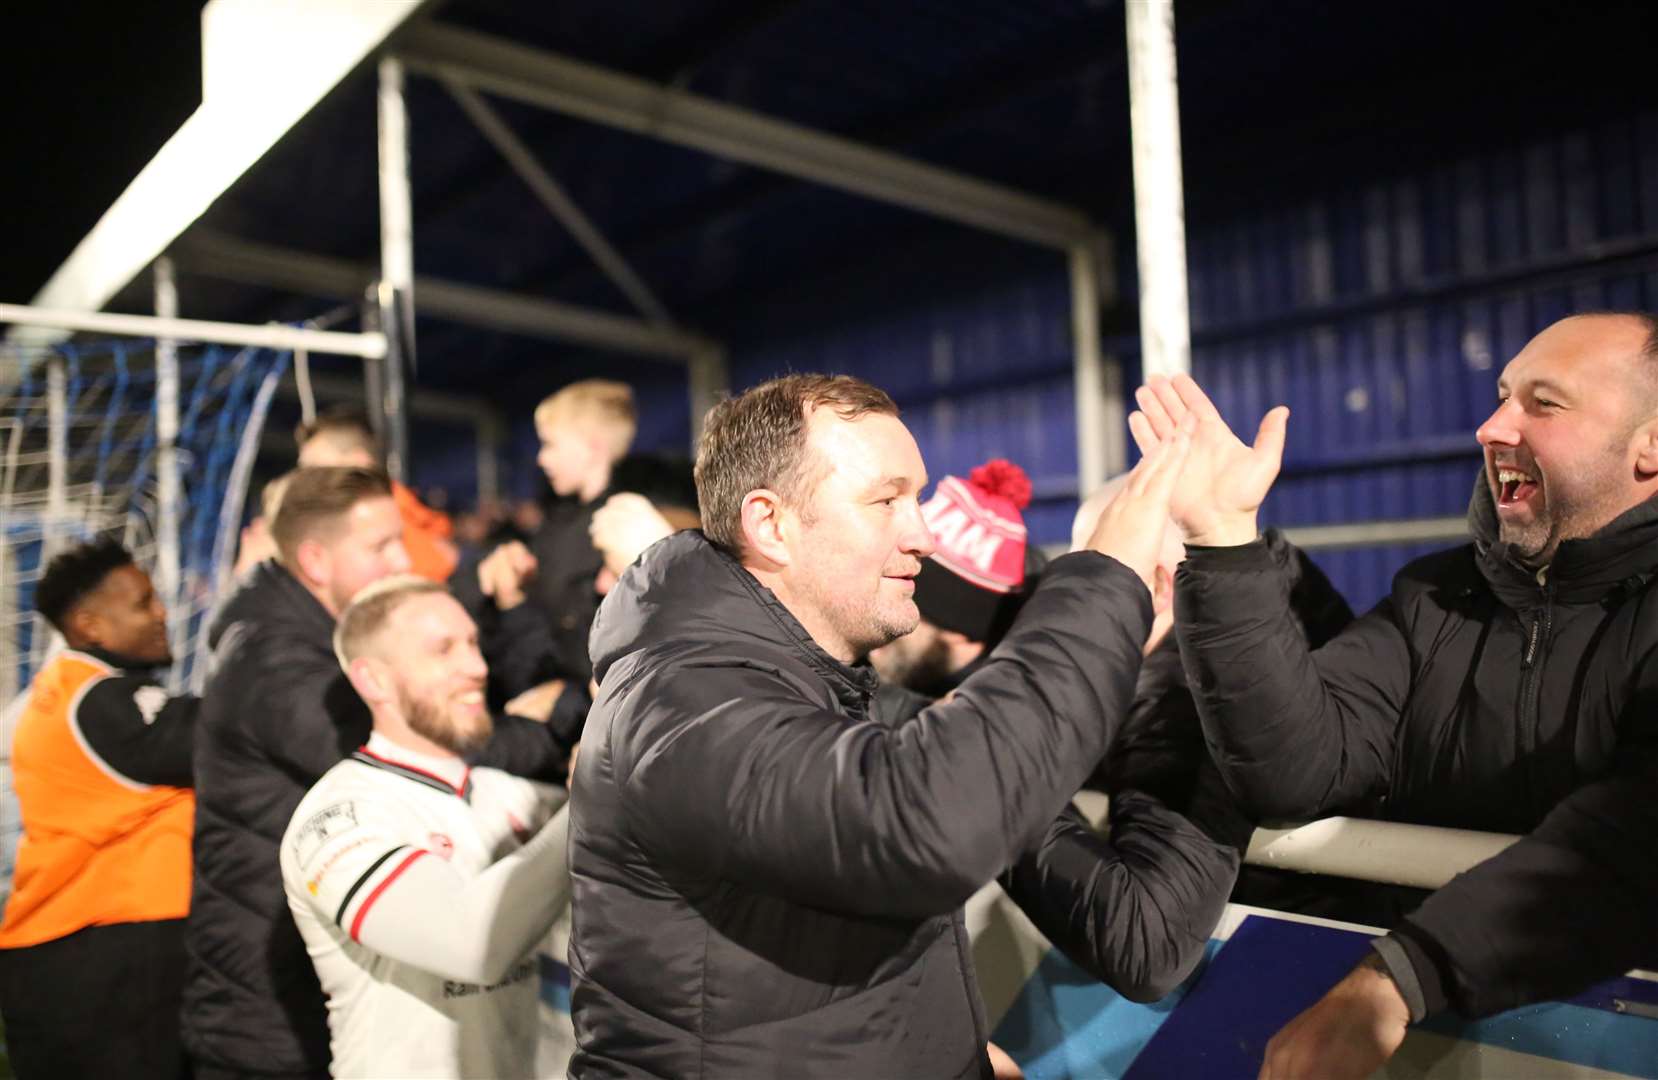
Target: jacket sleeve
column 418, row 910
column 520, row 651
column 1134, row 910
column 291, row 699
column 735, row 771
column 1571, row 903
column 138, row 731
column 1295, row 732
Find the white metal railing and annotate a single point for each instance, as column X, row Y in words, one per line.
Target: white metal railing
column 1422, row 856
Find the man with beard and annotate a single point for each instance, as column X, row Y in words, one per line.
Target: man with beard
column 421, row 885
column 92, row 945
column 1505, row 685
column 278, row 713
column 768, row 881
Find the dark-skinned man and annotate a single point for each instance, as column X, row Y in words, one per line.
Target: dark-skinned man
column 92, row 946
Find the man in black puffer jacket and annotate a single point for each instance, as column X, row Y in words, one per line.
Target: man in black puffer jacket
column 1506, row 685
column 765, row 878
column 278, row 712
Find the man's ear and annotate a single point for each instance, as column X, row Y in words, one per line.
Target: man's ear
column 371, row 680
column 765, row 526
column 314, row 563
column 1646, row 449
column 85, row 625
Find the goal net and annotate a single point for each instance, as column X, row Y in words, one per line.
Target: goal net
column 80, row 458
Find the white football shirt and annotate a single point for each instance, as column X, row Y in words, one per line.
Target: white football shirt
column 355, row 834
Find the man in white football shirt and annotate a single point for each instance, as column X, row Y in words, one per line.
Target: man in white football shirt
column 421, row 886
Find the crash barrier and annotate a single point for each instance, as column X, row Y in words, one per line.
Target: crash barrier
column 1261, row 969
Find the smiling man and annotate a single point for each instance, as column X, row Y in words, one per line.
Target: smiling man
column 768, row 880
column 1505, row 685
column 421, row 885
column 92, row 944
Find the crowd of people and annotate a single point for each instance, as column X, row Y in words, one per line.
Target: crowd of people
column 764, row 728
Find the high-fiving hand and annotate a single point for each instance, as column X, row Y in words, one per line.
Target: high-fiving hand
column 1131, row 527
column 1224, row 481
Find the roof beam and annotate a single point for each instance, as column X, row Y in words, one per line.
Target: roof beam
column 558, row 202
column 592, row 93
column 264, row 67
column 230, row 259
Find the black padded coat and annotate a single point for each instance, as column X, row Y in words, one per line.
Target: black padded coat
column 767, row 881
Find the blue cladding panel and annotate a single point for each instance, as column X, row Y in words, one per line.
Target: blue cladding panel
column 978, row 376
column 1381, row 313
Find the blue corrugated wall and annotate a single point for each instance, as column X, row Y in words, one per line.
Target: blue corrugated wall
column 1381, row 313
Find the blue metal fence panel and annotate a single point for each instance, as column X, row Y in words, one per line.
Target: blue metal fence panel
column 1381, row 313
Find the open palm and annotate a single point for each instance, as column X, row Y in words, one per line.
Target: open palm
column 1224, row 480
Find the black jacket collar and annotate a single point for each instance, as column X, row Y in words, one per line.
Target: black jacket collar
column 119, row 662
column 685, row 588
column 277, row 599
column 1621, row 557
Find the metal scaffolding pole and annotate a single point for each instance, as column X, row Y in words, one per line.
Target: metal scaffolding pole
column 1088, row 370
column 57, row 455
column 396, row 292
column 1159, row 206
column 552, row 195
column 672, row 114
column 709, row 382
column 169, row 502
column 219, row 333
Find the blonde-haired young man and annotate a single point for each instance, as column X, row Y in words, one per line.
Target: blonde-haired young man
column 419, row 884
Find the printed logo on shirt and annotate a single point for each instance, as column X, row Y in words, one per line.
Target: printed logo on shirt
column 322, row 827
column 519, row 972
column 440, row 845
column 150, row 700
column 316, row 881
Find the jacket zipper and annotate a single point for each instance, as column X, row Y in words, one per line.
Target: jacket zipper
column 1531, row 686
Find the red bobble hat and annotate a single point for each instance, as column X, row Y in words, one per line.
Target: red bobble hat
column 975, row 578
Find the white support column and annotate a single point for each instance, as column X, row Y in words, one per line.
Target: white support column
column 1159, row 205
column 57, row 456
column 1093, row 432
column 710, row 381
column 396, row 294
column 170, row 501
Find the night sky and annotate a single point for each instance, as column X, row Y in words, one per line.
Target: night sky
column 92, row 89
column 89, row 98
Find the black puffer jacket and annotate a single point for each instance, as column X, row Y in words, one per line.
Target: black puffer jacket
column 767, row 882
column 1159, row 749
column 278, row 713
column 1134, row 909
column 1479, row 696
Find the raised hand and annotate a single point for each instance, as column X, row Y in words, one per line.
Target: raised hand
column 1224, row 481
column 1131, row 528
column 504, row 572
